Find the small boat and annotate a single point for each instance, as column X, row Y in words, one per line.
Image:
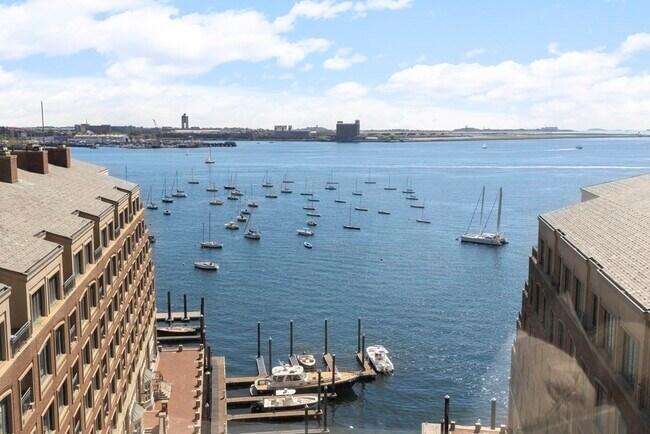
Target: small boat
column 150, row 203
column 412, row 197
column 192, row 180
column 166, row 198
column 350, row 225
column 152, row 239
column 167, row 212
column 578, row 147
column 285, row 400
column 408, row 188
column 305, row 232
column 369, row 181
column 308, row 245
column 330, row 187
column 356, row 191
column 251, row 202
column 484, row 146
column 236, row 193
column 384, row 212
column 206, row 265
column 179, row 194
column 252, row 234
column 313, row 214
column 266, row 182
column 232, row 183
column 241, row 218
column 389, row 188
column 285, row 188
column 209, row 159
column 212, row 188
column 271, row 195
column 209, row 244
column 495, row 239
column 295, row 377
column 231, row 225
column 311, row 222
column 232, row 197
column 216, row 201
column 311, row 199
column 378, row 358
column 307, row 360
column 245, row 212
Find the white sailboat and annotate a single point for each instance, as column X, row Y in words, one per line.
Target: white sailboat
column 209, row 160
column 389, row 188
column 360, row 208
column 356, row 191
column 150, row 203
column 209, row 244
column 177, row 192
column 306, row 192
column 338, row 199
column 492, row 239
column 422, row 219
column 231, row 185
column 369, row 181
column 286, row 179
column 350, row 225
column 305, row 232
column 215, row 201
column 166, row 198
column 249, row 233
column 266, row 182
column 251, row 202
column 212, row 187
column 192, row 180
column 285, row 188
column 408, row 188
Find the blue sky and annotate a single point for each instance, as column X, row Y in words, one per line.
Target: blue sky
column 390, row 63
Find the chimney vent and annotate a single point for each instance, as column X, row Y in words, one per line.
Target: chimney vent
column 8, row 166
column 34, row 159
column 59, row 156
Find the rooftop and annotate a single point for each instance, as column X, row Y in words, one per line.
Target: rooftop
column 613, row 229
column 38, row 203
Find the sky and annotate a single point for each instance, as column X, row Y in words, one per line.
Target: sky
column 418, row 64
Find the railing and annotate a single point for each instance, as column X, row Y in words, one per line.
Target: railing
column 98, row 253
column 21, row 336
column 77, row 427
column 118, row 230
column 75, row 382
column 130, row 218
column 73, row 333
column 26, row 400
column 69, row 284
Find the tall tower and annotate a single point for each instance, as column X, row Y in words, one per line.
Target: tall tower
column 185, row 122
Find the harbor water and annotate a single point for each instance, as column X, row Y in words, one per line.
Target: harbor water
column 445, row 311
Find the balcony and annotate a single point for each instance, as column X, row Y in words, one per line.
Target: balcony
column 98, row 253
column 69, row 284
column 26, row 400
column 19, row 338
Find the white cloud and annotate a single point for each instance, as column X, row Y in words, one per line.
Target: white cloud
column 343, row 59
column 475, row 52
column 307, row 67
column 348, row 90
column 370, row 5
column 553, row 48
column 636, row 42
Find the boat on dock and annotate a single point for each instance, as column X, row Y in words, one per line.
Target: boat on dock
column 378, row 357
column 295, row 377
column 350, row 225
column 285, row 399
column 492, row 239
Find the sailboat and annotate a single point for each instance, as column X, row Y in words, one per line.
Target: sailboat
column 330, row 180
column 285, row 188
column 192, row 180
column 339, row 200
column 166, row 198
column 150, row 203
column 356, row 191
column 408, row 188
column 252, row 203
column 209, row 160
column 495, row 239
column 369, row 181
column 360, row 208
column 309, row 206
column 415, row 205
column 271, row 195
column 389, row 188
column 422, row 219
column 177, row 192
column 209, row 244
column 286, row 179
column 312, row 198
column 231, row 184
column 350, row 225
column 266, row 182
column 251, row 234
column 212, row 187
column 306, row 192
column 214, row 200
column 330, row 184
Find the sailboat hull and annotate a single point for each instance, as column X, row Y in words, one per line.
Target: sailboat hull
column 487, row 239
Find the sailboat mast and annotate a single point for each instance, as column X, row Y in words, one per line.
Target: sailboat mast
column 209, row 227
column 499, row 211
column 204, row 232
column 480, row 225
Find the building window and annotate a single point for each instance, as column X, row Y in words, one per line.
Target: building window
column 537, row 298
column 45, row 362
column 601, row 407
column 630, row 354
column 77, row 422
column 38, row 305
column 88, row 400
column 551, row 325
column 49, row 420
column 104, row 238
column 560, row 334
column 594, row 310
column 59, row 341
column 83, row 307
column 543, row 309
column 26, row 395
column 74, row 376
column 577, row 299
column 5, row 416
column 87, row 355
column 89, row 253
column 610, row 332
column 78, row 262
column 4, row 349
column 72, row 322
column 62, row 397
column 53, row 288
column 567, row 279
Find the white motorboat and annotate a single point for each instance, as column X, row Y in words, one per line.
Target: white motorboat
column 167, row 212
column 206, row 265
column 285, row 399
column 252, row 234
column 231, row 225
column 311, row 222
column 306, row 232
column 492, row 239
column 216, row 202
column 378, row 357
column 295, row 377
column 383, row 212
column 308, row 245
column 307, row 360
column 242, row 218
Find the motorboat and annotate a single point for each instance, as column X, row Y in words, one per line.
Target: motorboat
column 253, row 204
column 313, row 214
column 306, row 232
column 252, row 234
column 383, row 212
column 285, row 399
column 231, row 225
column 308, row 245
column 236, row 192
column 307, row 360
column 216, row 202
column 241, row 218
column 245, row 212
column 311, row 222
column 295, row 377
column 484, row 146
column 206, row 265
column 167, row 212
column 378, row 358
column 492, row 239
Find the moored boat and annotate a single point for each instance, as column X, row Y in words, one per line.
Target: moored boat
column 206, row 265
column 305, row 232
column 378, row 358
column 307, row 360
column 295, row 377
column 285, row 399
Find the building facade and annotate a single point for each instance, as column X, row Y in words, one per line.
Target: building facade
column 185, row 122
column 77, row 301
column 581, row 358
column 346, row 132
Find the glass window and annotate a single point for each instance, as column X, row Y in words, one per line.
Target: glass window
column 567, row 279
column 89, row 253
column 62, row 396
column 38, row 306
column 59, row 341
column 53, row 288
column 78, row 262
column 45, row 362
column 577, row 299
column 5, row 416
column 83, row 307
column 630, row 354
column 49, row 421
column 560, row 334
column 610, row 332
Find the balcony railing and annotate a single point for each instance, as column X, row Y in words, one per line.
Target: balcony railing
column 118, row 230
column 69, row 284
column 73, row 332
column 19, row 338
column 130, row 217
column 98, row 253
column 75, row 382
column 26, row 400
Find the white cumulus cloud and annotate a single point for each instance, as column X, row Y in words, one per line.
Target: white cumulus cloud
column 348, row 90
column 343, row 59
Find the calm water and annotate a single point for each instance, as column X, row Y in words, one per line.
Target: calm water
column 446, row 311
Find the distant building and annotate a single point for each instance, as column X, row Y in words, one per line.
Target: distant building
column 286, row 132
column 580, row 357
column 346, row 132
column 550, row 129
column 185, row 122
column 95, row 129
column 283, row 128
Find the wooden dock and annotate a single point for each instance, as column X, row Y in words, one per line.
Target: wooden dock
column 261, row 367
column 243, row 400
column 329, row 361
column 218, row 410
column 314, row 414
column 178, row 316
column 368, row 370
column 239, row 382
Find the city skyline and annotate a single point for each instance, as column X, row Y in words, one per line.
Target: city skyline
column 393, row 63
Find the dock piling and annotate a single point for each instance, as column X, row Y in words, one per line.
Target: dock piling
column 359, row 334
column 493, row 413
column 270, row 352
column 306, row 419
column 185, row 318
column 202, row 306
column 446, row 414
column 169, row 307
column 291, row 338
column 363, row 350
column 259, row 349
column 319, row 386
column 325, row 335
column 333, row 373
column 325, row 430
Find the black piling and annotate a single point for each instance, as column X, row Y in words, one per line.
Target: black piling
column 359, row 334
column 319, row 386
column 493, row 413
column 446, row 414
column 333, row 373
column 363, row 351
column 270, row 352
column 306, row 419
column 185, row 318
column 259, row 348
column 325, row 335
column 291, row 338
column 169, row 306
column 202, row 306
column 325, row 430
